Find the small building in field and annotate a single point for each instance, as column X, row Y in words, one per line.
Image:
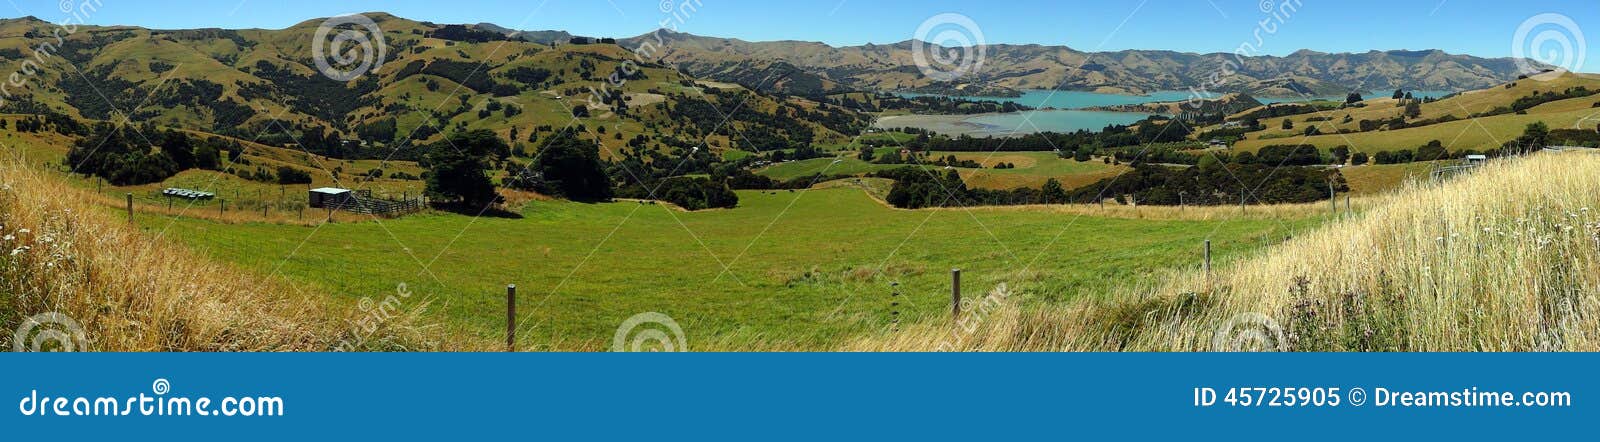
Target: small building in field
column 328, row 197
column 1476, row 159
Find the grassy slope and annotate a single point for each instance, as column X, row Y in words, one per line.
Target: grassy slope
column 1504, row 259
column 66, row 252
column 1475, row 134
column 1033, row 169
column 807, row 282
column 47, row 149
column 1376, row 178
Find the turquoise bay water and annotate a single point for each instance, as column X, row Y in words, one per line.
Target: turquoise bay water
column 1068, row 115
column 1081, row 99
column 1075, row 99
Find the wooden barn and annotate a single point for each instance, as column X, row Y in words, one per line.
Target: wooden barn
column 329, row 197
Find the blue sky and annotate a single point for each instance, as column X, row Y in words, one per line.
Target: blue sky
column 1483, row 28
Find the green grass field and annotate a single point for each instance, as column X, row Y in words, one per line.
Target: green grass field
column 1032, row 169
column 1375, row 178
column 845, row 166
column 805, row 266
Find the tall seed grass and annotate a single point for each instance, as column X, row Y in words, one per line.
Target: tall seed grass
column 62, row 250
column 1506, row 258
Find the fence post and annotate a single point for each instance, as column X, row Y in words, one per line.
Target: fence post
column 1208, row 266
column 1333, row 200
column 955, row 294
column 222, row 206
column 894, row 306
column 1241, row 200
column 130, row 207
column 511, row 317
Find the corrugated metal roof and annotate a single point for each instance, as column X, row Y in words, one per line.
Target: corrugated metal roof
column 330, row 190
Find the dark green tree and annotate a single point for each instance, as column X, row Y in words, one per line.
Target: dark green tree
column 571, row 168
column 458, row 168
column 1340, row 154
column 1052, row 192
column 177, row 146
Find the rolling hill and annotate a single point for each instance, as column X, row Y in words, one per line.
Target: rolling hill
column 264, row 85
column 1009, row 68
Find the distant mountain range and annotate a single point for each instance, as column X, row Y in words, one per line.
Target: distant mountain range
column 438, row 78
column 810, row 67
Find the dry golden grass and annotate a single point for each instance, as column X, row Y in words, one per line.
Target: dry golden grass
column 1504, row 259
column 64, row 252
column 1173, row 213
